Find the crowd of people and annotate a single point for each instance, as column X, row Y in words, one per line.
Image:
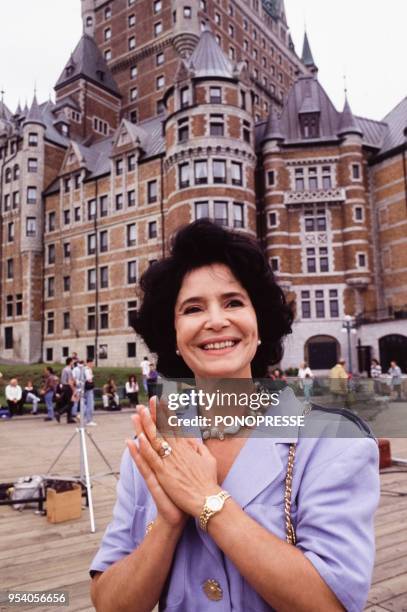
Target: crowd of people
column 62, row 395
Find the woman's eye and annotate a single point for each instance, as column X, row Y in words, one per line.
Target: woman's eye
column 191, row 309
column 235, row 303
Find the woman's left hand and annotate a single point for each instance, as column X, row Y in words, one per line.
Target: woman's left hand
column 187, row 475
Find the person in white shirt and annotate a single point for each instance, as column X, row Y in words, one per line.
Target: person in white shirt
column 145, row 371
column 132, row 390
column 14, row 395
column 89, row 393
column 79, row 377
column 306, row 379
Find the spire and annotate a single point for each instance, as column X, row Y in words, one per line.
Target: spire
column 34, row 114
column 307, row 57
column 88, row 62
column 273, row 128
column 208, row 59
column 347, row 122
column 18, row 109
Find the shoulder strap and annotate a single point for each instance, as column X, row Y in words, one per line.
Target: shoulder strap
column 290, row 532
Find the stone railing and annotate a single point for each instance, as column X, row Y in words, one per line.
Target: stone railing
column 318, row 195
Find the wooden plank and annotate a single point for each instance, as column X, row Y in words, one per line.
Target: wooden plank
column 388, row 589
column 390, row 568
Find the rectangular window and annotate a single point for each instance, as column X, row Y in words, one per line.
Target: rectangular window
column 160, row 82
column 299, row 179
column 221, row 213
column 131, row 20
column 51, row 221
column 131, row 43
column 66, row 320
column 183, row 130
column 104, row 316
column 91, row 279
column 201, row 210
column 216, row 125
column 159, row 59
column 91, row 244
column 103, row 206
column 32, row 139
column 119, row 167
column 132, row 272
column 67, row 250
column 157, row 6
column 50, row 322
column 133, row 72
column 215, row 95
column 131, row 312
column 133, row 93
column 10, row 232
column 183, row 175
column 323, row 259
column 67, row 185
column 237, row 173
column 311, row 260
column 131, row 350
column 9, row 306
column 201, row 172
column 238, row 214
column 361, row 260
column 8, row 338
column 103, row 241
column 131, row 234
column 158, row 28
column 152, row 229
column 50, row 286
column 151, row 192
column 77, row 213
column 219, row 171
column 275, row 264
column 103, row 351
column 358, row 213
column 326, row 177
column 131, row 198
column 104, row 277
column 32, row 164
column 305, row 304
column 49, row 354
column 355, row 172
column 51, row 254
column 312, row 179
column 119, row 201
column 67, row 216
column 7, row 202
column 77, row 181
column 131, row 163
column 31, row 227
column 273, row 219
column 246, row 131
column 19, row 304
column 10, row 268
column 184, row 95
column 319, row 304
column 91, row 316
column 91, row 210
column 66, row 283
column 16, row 199
column 333, row 303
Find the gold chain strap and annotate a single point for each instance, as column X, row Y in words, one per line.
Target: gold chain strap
column 290, row 533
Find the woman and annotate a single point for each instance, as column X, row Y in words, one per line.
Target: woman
column 132, row 390
column 211, row 524
column 48, row 391
column 152, row 379
column 110, row 396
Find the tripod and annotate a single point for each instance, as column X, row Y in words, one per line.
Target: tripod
column 85, row 477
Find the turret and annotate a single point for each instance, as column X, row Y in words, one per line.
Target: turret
column 88, row 17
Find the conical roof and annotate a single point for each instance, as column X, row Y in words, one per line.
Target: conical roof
column 208, row 59
column 5, row 112
column 273, row 128
column 34, row 114
column 88, row 62
column 307, row 57
column 347, row 122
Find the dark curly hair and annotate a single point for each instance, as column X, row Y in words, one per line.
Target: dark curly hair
column 199, row 244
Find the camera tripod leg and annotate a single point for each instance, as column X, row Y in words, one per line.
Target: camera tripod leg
column 61, row 452
column 102, row 455
column 88, row 484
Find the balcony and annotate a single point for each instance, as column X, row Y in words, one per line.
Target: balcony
column 390, row 313
column 333, row 196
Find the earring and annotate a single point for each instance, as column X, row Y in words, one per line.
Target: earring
column 176, row 351
column 258, row 342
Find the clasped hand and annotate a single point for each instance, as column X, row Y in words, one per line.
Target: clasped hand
column 180, row 481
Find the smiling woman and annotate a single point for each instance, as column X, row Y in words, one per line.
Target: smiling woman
column 251, row 523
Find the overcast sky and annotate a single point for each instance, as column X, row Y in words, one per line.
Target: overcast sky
column 364, row 39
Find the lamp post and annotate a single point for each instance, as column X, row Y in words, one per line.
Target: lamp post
column 349, row 327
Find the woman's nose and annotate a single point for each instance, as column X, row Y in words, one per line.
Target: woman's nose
column 217, row 318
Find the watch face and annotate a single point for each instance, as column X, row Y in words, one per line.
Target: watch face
column 214, row 503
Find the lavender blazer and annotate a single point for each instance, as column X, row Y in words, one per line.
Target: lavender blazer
column 334, row 496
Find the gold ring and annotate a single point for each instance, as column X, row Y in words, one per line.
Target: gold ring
column 165, row 449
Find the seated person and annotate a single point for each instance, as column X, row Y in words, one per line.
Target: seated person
column 30, row 394
column 110, row 396
column 14, row 395
column 132, row 390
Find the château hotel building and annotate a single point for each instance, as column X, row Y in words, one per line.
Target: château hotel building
column 172, row 110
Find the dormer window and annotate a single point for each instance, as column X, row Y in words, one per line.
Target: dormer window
column 69, row 70
column 309, row 125
column 89, row 22
column 64, row 129
column 101, row 75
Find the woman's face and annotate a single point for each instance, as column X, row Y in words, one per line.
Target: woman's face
column 215, row 324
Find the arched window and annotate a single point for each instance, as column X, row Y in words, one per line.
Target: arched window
column 321, row 352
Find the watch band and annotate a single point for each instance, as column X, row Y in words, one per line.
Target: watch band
column 207, row 513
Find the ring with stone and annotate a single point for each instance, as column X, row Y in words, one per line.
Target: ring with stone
column 165, row 449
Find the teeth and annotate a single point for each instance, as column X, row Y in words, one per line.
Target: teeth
column 219, row 345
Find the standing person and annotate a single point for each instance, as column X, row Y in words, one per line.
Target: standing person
column 375, row 373
column 152, row 379
column 75, row 359
column 132, row 390
column 89, row 393
column 79, row 379
column 14, row 395
column 67, row 389
column 204, row 523
column 395, row 373
column 303, row 370
column 338, row 380
column 145, row 371
column 30, row 394
column 306, row 380
column 50, row 387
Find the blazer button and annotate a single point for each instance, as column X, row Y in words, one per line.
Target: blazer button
column 212, row 590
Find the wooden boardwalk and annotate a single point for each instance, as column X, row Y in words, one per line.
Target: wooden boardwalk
column 37, row 555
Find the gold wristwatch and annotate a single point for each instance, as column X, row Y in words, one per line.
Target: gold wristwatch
column 213, row 505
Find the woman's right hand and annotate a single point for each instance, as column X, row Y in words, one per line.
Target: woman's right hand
column 166, row 509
